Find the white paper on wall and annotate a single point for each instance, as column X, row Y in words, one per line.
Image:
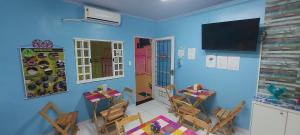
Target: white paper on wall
column 233, row 63
column 222, row 62
column 211, row 61
column 191, row 53
column 181, row 53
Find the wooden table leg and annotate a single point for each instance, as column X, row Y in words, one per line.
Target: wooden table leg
column 95, row 119
column 112, row 101
column 197, row 102
column 94, row 112
column 204, row 111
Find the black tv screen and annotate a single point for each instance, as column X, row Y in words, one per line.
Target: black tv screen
column 238, row 35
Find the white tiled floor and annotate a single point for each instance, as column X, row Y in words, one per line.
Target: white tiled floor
column 148, row 111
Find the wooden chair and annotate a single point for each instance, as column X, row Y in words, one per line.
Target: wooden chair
column 225, row 119
column 224, row 124
column 64, row 121
column 120, row 124
column 196, row 123
column 168, row 90
column 184, row 108
column 114, row 113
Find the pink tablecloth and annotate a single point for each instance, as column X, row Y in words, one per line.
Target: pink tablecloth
column 94, row 96
column 189, row 91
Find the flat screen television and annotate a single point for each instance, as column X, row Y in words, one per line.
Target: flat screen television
column 241, row 35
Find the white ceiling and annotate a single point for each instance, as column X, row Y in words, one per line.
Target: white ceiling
column 153, row 9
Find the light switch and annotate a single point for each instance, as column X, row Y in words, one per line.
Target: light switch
column 129, row 63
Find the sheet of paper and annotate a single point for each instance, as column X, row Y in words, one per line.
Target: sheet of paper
column 191, row 53
column 211, row 61
column 222, row 62
column 181, row 53
column 233, row 63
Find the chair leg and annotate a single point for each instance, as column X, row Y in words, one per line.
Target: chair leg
column 170, row 110
column 231, row 125
column 106, row 131
column 102, row 129
column 225, row 132
column 180, row 120
column 64, row 133
column 75, row 129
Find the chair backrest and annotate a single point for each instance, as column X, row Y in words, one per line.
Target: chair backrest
column 197, row 122
column 128, row 92
column 120, row 124
column 179, row 103
column 229, row 118
column 169, row 89
column 116, row 110
column 238, row 108
column 176, row 103
column 44, row 111
column 189, row 108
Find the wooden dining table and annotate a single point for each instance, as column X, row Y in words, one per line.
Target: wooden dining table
column 168, row 127
column 95, row 96
column 200, row 95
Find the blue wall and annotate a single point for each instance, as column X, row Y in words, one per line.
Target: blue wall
column 231, row 86
column 21, row 22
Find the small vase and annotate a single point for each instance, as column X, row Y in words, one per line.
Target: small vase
column 155, row 128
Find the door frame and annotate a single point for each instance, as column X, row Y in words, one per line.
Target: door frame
column 154, row 87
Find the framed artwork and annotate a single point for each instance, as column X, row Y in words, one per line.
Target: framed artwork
column 43, row 71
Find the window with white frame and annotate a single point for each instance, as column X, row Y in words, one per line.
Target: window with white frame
column 98, row 60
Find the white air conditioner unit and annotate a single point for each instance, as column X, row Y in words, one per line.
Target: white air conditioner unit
column 102, row 16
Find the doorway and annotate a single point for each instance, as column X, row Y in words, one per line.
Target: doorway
column 164, row 68
column 143, row 69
